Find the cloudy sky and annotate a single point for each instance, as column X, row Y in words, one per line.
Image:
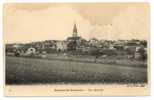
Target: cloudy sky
column 36, row 22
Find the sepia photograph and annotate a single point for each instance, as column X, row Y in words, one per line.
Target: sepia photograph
column 105, row 45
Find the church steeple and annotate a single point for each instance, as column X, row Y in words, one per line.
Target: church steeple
column 75, row 31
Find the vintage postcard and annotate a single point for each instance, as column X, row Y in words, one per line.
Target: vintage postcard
column 76, row 49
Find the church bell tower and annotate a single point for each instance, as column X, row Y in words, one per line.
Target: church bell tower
column 75, row 32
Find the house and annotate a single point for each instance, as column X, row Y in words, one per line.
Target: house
column 119, row 45
column 61, row 46
column 111, row 47
column 17, row 46
column 31, row 50
column 94, row 42
column 130, row 46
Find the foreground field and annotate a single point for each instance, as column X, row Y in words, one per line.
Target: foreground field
column 37, row 71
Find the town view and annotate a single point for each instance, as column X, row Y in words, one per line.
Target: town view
column 77, row 60
column 76, row 43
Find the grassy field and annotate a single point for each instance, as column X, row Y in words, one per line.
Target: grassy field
column 36, row 71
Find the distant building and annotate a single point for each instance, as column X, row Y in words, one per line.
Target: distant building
column 61, row 46
column 17, row 46
column 130, row 46
column 94, row 42
column 112, row 47
column 74, row 42
column 31, row 50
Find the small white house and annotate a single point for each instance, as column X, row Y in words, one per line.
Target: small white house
column 61, row 45
column 31, row 50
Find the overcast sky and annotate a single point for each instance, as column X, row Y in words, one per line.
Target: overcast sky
column 36, row 22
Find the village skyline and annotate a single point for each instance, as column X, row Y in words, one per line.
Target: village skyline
column 25, row 23
column 66, row 39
